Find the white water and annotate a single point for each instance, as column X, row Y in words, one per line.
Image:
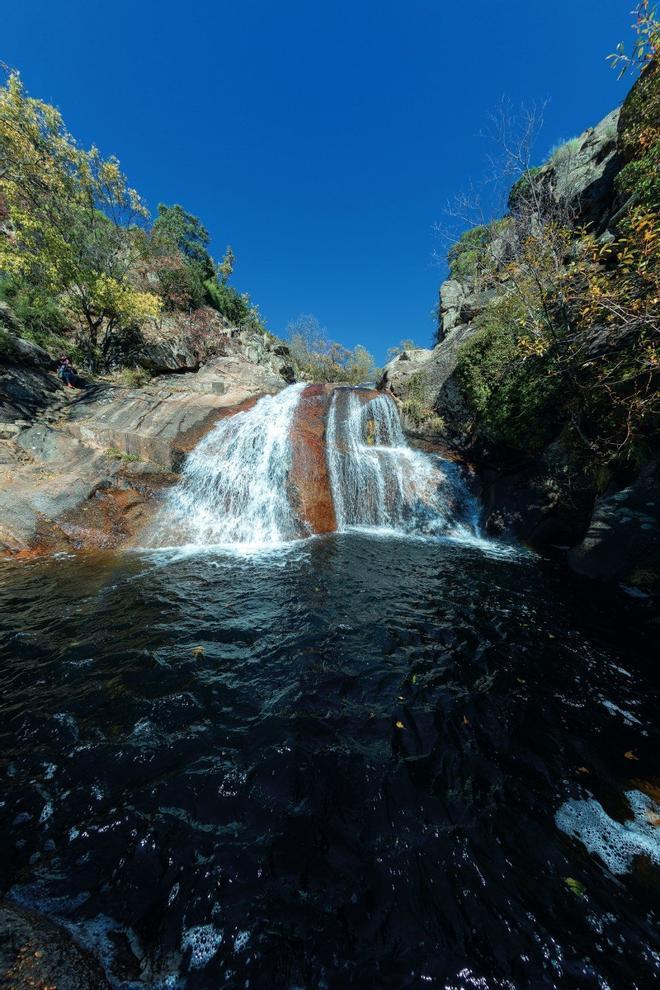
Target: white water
column 234, row 484
column 378, row 481
column 234, row 488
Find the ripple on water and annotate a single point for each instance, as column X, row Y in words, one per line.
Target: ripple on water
column 345, row 755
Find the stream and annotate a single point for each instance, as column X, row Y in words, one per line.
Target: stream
column 397, row 755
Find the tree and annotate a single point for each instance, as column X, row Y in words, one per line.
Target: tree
column 647, row 42
column 176, row 229
column 73, row 221
column 359, row 365
column 226, row 266
column 320, row 359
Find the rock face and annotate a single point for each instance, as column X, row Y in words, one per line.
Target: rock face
column 583, row 178
column 309, row 481
column 86, row 468
column 545, row 497
column 184, row 342
column 623, row 539
column 430, row 374
column 26, row 383
column 37, row 954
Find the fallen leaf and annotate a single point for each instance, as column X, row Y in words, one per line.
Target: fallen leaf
column 466, row 720
column 399, row 725
column 575, row 886
column 582, row 770
column 630, row 755
column 198, row 651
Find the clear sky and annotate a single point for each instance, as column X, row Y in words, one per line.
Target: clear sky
column 321, row 138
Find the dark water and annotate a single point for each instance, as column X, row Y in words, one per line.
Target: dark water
column 353, row 783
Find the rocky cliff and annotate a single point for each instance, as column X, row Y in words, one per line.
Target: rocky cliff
column 86, row 467
column 517, row 402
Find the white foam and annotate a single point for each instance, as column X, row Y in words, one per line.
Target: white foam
column 616, row 843
column 204, row 941
column 241, row 940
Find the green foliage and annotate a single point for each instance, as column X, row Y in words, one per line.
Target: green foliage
column 516, row 401
column 178, row 230
column 226, row 266
column 647, row 42
column 641, row 178
column 470, row 256
column 640, row 112
column 417, row 407
column 80, row 261
column 72, row 217
column 40, row 318
column 135, row 377
column 120, row 455
column 6, row 349
column 319, row 359
column 182, row 285
column 234, row 305
column 465, row 256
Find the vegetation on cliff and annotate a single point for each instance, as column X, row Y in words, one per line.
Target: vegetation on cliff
column 80, row 264
column 568, row 344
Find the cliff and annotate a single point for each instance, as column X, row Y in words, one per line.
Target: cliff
column 85, row 467
column 545, row 370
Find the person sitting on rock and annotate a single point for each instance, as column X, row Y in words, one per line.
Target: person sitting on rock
column 68, row 373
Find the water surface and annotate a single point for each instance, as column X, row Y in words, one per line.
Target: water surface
column 346, row 763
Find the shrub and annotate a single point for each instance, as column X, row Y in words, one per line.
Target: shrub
column 417, row 407
column 564, row 151
column 120, row 455
column 470, row 257
column 135, row 377
column 514, row 399
column 234, row 305
column 641, row 177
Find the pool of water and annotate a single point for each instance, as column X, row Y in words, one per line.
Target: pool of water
column 352, row 762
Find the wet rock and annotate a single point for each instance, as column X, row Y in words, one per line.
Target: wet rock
column 53, row 469
column 430, row 375
column 538, row 501
column 309, row 481
column 623, row 539
column 37, row 955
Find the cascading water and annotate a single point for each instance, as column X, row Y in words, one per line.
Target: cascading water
column 234, row 484
column 379, row 481
column 240, row 485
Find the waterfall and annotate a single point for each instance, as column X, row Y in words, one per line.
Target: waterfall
column 256, row 480
column 379, row 481
column 234, row 484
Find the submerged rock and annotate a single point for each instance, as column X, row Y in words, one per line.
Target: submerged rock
column 34, row 953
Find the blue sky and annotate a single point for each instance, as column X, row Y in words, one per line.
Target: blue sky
column 322, row 140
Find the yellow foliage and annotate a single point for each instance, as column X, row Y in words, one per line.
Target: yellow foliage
column 72, row 217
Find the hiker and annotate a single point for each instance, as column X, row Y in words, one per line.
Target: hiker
column 68, row 373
